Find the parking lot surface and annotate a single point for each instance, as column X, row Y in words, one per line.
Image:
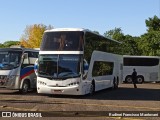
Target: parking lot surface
column 146, row 98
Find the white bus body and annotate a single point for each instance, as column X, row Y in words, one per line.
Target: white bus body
column 147, row 68
column 17, row 68
column 107, row 80
column 70, row 71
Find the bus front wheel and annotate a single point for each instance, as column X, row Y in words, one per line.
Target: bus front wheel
column 92, row 88
column 128, row 79
column 25, row 87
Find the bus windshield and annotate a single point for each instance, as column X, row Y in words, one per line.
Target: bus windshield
column 9, row 59
column 62, row 41
column 59, row 66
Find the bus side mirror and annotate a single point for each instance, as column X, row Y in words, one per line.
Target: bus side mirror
column 36, row 67
column 85, row 69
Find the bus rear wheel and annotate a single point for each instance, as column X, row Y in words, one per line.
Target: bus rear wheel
column 115, row 83
column 140, row 79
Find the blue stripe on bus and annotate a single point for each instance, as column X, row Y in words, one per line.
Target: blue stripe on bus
column 26, row 70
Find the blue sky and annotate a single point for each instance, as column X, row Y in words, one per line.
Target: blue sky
column 99, row 15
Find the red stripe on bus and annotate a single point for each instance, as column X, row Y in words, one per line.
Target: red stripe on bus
column 28, row 73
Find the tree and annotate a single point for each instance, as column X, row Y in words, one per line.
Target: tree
column 130, row 46
column 116, row 34
column 96, row 32
column 33, row 35
column 1, row 45
column 150, row 41
column 153, row 24
column 9, row 44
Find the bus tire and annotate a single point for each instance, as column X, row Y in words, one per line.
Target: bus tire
column 92, row 88
column 128, row 79
column 115, row 83
column 140, row 79
column 25, row 87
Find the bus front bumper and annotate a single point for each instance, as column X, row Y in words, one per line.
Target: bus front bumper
column 72, row 90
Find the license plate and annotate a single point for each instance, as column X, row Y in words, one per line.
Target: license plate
column 56, row 91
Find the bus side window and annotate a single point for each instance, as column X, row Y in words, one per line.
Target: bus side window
column 32, row 56
column 25, row 59
column 81, row 41
column 36, row 54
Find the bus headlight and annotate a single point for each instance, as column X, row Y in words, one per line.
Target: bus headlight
column 12, row 77
column 73, row 84
column 3, row 77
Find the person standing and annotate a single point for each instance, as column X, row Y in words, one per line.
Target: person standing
column 134, row 78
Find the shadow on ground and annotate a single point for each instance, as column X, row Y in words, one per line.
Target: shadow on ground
column 121, row 93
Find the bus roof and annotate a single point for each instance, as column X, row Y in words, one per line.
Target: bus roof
column 80, row 29
column 17, row 49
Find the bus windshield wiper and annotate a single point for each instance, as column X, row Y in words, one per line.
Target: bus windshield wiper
column 43, row 73
column 67, row 75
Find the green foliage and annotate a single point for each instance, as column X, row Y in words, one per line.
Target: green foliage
column 153, row 24
column 96, row 32
column 130, row 45
column 146, row 44
column 1, row 45
column 116, row 34
column 9, row 44
column 150, row 41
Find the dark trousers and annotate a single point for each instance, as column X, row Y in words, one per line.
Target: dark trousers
column 134, row 83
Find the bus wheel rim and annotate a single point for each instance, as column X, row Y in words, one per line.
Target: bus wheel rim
column 139, row 80
column 25, row 87
column 129, row 80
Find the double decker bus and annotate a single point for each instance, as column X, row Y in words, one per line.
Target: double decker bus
column 75, row 61
column 17, row 68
